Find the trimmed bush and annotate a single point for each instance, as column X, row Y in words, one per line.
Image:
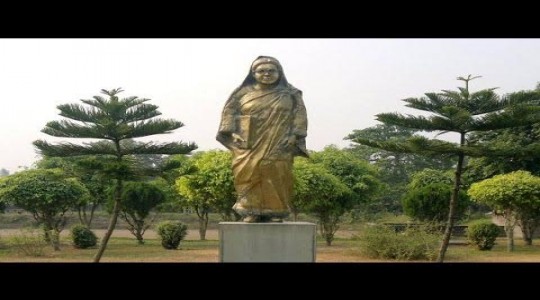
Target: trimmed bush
column 171, row 234
column 83, row 237
column 414, row 243
column 430, row 203
column 483, row 234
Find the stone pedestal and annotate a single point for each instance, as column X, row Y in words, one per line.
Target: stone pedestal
column 267, row 242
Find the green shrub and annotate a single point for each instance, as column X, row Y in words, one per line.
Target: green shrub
column 483, row 234
column 171, row 233
column 83, row 237
column 414, row 243
column 430, row 203
column 29, row 242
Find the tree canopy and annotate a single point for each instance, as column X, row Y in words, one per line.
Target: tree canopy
column 46, row 194
column 360, row 177
column 209, row 186
column 320, row 193
column 513, row 195
column 138, row 199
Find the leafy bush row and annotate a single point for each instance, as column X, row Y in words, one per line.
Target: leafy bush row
column 414, row 243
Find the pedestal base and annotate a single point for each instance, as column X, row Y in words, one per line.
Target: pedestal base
column 267, row 242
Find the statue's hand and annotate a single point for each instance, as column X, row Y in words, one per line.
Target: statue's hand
column 237, row 138
column 238, row 142
column 291, row 141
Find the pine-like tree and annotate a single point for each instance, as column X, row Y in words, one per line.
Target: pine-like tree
column 112, row 121
column 461, row 112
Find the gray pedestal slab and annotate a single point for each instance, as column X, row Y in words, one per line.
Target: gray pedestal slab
column 267, row 242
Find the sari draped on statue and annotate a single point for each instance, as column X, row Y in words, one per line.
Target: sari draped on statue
column 263, row 158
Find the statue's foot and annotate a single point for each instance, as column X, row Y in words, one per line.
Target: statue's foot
column 251, row 219
column 262, row 219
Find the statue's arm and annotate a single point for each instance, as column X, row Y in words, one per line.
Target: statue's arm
column 299, row 130
column 300, row 117
column 227, row 124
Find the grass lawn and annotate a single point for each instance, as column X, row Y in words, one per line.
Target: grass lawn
column 345, row 248
column 521, row 253
column 123, row 248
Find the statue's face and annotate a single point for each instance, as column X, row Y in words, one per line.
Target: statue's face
column 266, row 73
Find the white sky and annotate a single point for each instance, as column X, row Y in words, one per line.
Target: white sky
column 345, row 82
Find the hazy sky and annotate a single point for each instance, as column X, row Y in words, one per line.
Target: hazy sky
column 345, row 82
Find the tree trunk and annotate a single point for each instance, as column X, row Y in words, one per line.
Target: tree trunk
column 139, row 237
column 112, row 222
column 326, row 226
column 453, row 200
column 55, row 239
column 329, row 234
column 328, row 238
column 82, row 217
column 331, row 228
column 139, row 231
column 47, row 233
column 326, row 232
column 527, row 229
column 51, row 235
column 92, row 211
column 203, row 224
column 509, row 225
column 527, row 235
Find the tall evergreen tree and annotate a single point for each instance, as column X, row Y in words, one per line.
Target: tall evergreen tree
column 112, row 121
column 463, row 113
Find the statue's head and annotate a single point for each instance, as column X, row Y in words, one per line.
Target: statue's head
column 265, row 60
column 266, row 70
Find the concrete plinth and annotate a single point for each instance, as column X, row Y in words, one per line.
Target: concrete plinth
column 267, row 242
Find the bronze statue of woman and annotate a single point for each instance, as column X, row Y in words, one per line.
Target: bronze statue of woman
column 264, row 124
